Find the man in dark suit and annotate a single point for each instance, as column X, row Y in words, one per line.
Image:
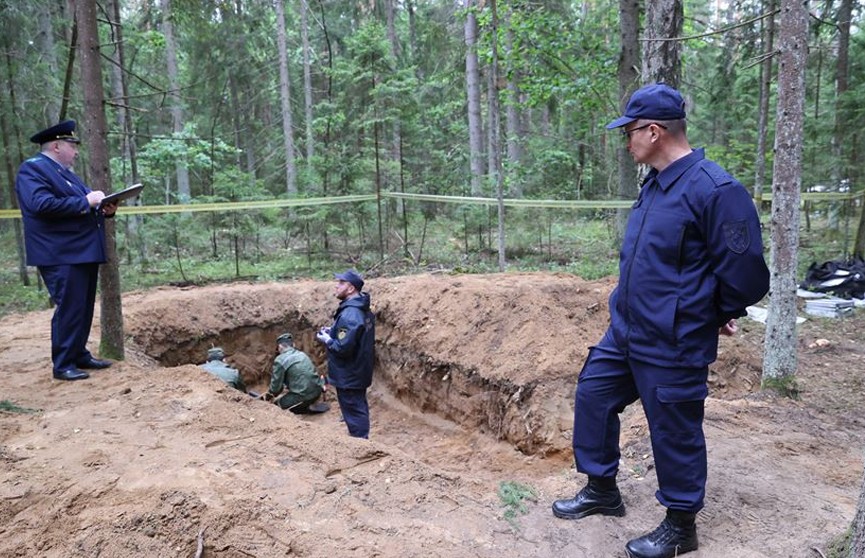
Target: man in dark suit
column 64, row 236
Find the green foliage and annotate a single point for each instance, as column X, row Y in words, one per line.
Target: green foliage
column 513, row 496
column 15, row 297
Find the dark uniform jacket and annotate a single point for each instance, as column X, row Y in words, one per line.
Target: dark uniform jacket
column 351, row 353
column 60, row 228
column 691, row 259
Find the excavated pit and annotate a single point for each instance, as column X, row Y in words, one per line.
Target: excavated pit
column 497, row 357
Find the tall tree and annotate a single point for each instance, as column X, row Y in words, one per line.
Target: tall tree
column 307, row 83
column 473, row 94
column 768, row 54
column 662, row 58
column 779, row 358
column 10, row 136
column 285, row 99
column 46, row 43
column 128, row 148
column 176, row 107
column 626, row 70
column 111, row 312
column 495, row 143
column 514, row 115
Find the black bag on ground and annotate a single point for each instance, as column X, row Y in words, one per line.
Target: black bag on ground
column 841, row 278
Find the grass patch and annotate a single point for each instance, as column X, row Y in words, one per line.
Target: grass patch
column 839, row 547
column 10, row 407
column 513, row 496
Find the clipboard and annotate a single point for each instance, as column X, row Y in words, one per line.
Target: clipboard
column 118, row 197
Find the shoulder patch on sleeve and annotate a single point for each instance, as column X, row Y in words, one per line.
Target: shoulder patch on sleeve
column 736, row 235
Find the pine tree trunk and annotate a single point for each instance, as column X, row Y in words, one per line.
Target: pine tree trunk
column 629, row 61
column 662, row 60
column 779, row 359
column 183, row 192
column 307, row 82
column 765, row 90
column 514, row 120
column 96, row 128
column 473, row 93
column 285, row 99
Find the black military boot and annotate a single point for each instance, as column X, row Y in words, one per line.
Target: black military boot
column 675, row 536
column 600, row 495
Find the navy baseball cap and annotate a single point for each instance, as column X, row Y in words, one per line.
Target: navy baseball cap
column 64, row 131
column 657, row 101
column 352, row 277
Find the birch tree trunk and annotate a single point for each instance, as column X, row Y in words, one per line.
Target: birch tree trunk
column 628, row 78
column 779, row 358
column 473, row 94
column 285, row 100
column 111, row 312
column 183, row 192
column 662, row 60
column 765, row 91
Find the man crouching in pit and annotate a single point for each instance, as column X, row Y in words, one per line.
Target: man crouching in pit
column 295, row 373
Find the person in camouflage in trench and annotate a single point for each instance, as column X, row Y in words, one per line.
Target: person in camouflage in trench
column 294, row 382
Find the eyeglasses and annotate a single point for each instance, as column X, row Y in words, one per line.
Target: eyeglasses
column 627, row 133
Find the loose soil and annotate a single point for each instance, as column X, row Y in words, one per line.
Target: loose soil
column 474, row 387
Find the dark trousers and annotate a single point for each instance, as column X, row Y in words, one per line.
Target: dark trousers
column 73, row 290
column 673, row 401
column 355, row 411
column 297, row 403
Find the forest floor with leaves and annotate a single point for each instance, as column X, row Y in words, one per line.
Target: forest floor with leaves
column 473, row 392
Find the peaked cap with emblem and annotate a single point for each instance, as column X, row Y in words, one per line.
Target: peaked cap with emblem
column 64, row 131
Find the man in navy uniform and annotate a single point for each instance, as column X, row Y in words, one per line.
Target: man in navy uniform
column 691, row 262
column 64, row 237
column 350, row 344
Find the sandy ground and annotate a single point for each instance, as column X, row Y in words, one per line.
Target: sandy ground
column 474, row 388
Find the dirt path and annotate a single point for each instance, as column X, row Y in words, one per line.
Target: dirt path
column 472, row 390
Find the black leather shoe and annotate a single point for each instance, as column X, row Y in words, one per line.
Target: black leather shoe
column 95, row 364
column 590, row 501
column 672, row 538
column 71, row 374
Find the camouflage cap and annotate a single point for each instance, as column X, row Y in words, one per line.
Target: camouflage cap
column 215, row 353
column 285, row 339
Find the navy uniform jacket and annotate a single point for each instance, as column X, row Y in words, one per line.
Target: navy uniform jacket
column 60, row 227
column 351, row 354
column 691, row 260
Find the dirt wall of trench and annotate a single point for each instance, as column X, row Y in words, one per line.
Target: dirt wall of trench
column 430, row 328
